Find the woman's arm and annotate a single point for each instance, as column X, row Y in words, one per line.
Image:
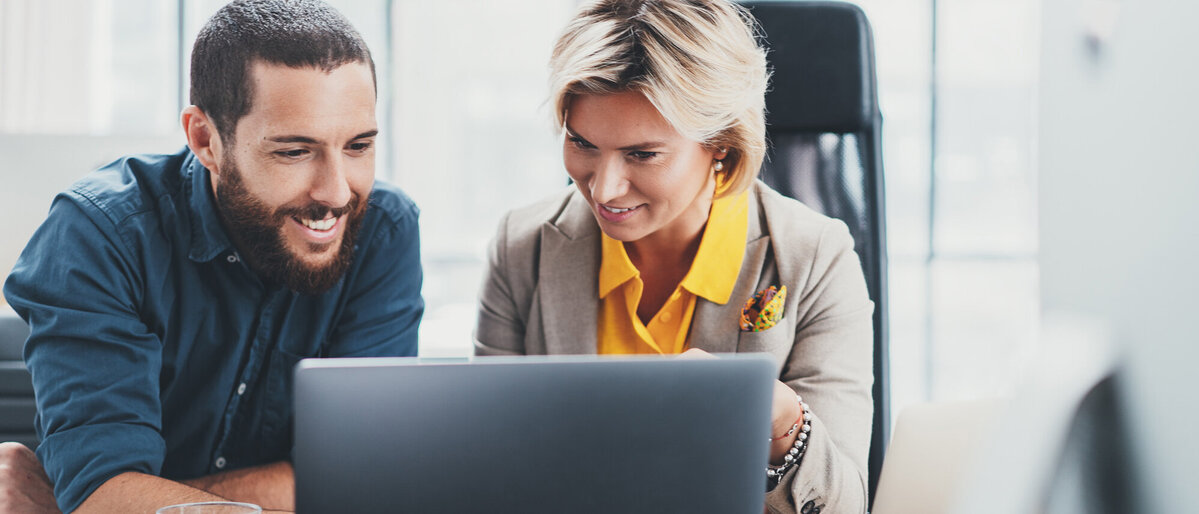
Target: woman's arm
column 500, row 325
column 831, row 367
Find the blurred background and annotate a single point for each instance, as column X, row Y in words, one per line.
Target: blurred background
column 466, row 132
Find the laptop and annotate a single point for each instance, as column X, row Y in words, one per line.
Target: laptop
column 934, row 449
column 533, row 434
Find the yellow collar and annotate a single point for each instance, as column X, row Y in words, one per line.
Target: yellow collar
column 717, row 263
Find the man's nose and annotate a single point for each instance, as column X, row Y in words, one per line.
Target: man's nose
column 330, row 186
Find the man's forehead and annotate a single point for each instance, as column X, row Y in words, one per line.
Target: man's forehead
column 337, row 104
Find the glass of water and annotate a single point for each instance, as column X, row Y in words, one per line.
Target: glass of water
column 211, row 508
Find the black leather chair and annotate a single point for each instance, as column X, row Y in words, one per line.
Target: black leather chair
column 824, row 128
column 17, row 408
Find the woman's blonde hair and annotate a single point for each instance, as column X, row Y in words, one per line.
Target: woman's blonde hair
column 697, row 61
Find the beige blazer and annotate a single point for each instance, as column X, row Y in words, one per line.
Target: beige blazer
column 540, row 296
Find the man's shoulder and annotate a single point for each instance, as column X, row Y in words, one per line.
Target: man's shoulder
column 129, row 185
column 393, row 204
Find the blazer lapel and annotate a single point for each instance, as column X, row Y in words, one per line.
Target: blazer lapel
column 716, row 328
column 569, row 274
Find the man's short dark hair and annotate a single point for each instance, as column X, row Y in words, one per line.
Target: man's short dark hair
column 294, row 33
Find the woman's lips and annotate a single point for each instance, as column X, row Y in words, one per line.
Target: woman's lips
column 617, row 214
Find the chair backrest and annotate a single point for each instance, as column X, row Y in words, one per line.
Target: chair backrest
column 824, row 127
column 17, row 408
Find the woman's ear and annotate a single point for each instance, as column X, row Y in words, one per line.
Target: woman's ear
column 202, row 137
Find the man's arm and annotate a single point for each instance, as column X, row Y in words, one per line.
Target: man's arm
column 24, row 486
column 270, row 486
column 139, row 492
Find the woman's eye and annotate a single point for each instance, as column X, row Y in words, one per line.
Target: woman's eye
column 642, row 155
column 580, row 143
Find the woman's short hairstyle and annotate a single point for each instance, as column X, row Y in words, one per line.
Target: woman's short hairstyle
column 697, row 61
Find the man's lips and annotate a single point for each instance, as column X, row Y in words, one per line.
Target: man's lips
column 321, row 230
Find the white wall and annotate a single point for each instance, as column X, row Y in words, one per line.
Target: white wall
column 34, row 168
column 1119, row 211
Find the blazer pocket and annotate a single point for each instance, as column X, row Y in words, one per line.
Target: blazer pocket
column 776, row 340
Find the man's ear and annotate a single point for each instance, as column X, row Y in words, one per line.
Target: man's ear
column 202, row 138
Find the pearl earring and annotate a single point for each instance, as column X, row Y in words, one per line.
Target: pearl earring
column 718, row 166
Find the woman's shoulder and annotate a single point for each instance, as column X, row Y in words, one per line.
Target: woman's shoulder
column 530, row 218
column 793, row 225
column 564, row 211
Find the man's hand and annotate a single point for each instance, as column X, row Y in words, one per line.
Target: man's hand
column 24, row 486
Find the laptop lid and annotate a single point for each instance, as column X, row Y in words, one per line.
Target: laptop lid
column 533, row 434
column 934, row 447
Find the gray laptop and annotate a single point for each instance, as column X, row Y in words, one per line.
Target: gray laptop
column 532, row 434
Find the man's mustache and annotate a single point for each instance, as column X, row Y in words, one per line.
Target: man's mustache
column 316, row 211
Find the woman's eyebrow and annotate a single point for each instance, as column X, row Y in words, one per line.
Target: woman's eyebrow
column 639, row 146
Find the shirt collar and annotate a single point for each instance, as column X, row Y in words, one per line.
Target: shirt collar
column 615, row 266
column 717, row 263
column 208, row 238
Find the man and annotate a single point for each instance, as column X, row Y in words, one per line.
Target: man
column 170, row 296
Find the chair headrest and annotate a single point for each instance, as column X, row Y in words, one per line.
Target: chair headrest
column 822, row 55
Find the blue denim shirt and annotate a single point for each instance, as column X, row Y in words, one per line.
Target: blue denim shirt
column 155, row 349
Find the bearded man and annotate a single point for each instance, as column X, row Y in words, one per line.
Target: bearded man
column 170, row 296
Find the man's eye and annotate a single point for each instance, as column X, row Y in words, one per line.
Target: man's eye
column 291, row 153
column 643, row 156
column 360, row 146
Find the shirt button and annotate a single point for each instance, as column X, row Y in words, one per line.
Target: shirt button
column 220, row 463
column 232, row 258
column 241, row 389
column 666, row 317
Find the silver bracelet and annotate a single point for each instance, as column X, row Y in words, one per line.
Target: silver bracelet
column 774, row 474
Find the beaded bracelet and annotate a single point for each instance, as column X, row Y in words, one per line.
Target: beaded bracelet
column 774, row 474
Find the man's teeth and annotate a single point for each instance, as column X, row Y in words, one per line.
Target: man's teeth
column 321, row 225
column 617, row 211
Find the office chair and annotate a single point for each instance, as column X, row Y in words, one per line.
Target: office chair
column 17, row 408
column 824, row 128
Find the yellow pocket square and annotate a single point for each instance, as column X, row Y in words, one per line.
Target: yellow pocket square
column 764, row 310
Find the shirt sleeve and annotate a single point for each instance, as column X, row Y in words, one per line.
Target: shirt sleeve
column 385, row 307
column 95, row 365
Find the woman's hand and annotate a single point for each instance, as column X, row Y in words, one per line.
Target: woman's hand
column 785, row 413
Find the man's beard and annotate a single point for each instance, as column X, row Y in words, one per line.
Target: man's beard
column 257, row 231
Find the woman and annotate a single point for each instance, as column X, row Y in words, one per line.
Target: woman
column 668, row 243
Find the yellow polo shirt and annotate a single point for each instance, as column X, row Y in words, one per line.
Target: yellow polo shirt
column 712, row 275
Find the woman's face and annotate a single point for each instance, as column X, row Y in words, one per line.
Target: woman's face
column 642, row 178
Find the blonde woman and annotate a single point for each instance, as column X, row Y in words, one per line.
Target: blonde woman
column 667, row 243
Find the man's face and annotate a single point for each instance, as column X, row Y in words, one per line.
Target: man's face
column 292, row 189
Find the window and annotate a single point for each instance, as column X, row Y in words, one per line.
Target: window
column 466, row 132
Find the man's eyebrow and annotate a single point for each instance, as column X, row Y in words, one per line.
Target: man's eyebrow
column 293, row 139
column 314, row 141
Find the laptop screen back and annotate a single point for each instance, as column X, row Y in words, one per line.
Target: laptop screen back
column 533, row 434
